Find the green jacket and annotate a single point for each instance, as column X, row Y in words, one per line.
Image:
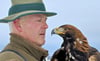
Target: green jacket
column 20, row 49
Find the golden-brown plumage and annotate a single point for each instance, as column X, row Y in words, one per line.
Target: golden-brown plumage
column 80, row 43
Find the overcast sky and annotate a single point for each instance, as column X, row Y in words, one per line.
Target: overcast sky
column 84, row 14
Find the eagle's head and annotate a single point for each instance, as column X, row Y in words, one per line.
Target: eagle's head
column 71, row 34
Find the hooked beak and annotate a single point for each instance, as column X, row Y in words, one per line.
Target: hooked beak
column 52, row 32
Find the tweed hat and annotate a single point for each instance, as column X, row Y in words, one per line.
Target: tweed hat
column 21, row 8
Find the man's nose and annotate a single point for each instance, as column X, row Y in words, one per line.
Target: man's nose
column 45, row 25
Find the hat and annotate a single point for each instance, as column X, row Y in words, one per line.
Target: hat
column 21, row 8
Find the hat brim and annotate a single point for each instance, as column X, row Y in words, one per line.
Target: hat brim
column 18, row 15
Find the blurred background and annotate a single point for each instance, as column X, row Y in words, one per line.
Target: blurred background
column 84, row 14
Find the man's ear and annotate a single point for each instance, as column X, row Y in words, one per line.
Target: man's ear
column 17, row 25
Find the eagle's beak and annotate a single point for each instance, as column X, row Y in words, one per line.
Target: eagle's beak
column 58, row 31
column 53, row 32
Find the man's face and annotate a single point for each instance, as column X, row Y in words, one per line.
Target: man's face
column 33, row 28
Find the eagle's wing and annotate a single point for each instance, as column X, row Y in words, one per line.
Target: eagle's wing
column 94, row 54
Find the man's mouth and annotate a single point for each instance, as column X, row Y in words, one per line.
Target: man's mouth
column 42, row 33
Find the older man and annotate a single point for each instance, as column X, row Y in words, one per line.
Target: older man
column 27, row 19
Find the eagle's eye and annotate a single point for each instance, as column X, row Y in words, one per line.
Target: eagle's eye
column 61, row 29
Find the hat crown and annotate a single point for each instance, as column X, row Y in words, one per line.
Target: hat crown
column 18, row 2
column 21, row 8
column 26, row 5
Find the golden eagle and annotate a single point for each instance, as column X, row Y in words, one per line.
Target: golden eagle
column 75, row 46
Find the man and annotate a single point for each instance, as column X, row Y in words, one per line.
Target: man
column 27, row 20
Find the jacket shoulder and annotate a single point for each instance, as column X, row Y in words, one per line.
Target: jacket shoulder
column 10, row 56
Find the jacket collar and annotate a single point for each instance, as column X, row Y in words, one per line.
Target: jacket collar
column 28, row 47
